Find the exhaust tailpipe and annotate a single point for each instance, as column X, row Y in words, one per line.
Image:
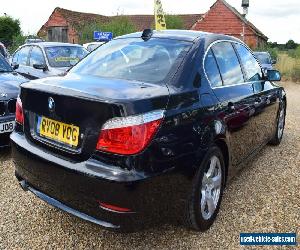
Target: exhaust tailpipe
column 24, row 185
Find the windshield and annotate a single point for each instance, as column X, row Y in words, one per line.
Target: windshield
column 64, row 56
column 134, row 59
column 263, row 58
column 4, row 66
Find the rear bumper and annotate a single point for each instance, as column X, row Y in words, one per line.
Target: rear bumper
column 63, row 207
column 78, row 188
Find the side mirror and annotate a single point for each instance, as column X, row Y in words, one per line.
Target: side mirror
column 40, row 66
column 273, row 76
column 15, row 66
column 274, row 61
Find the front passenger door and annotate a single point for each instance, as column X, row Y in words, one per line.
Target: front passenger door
column 37, row 57
column 265, row 102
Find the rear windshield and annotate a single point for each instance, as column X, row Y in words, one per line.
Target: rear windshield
column 64, row 56
column 134, row 59
column 263, row 58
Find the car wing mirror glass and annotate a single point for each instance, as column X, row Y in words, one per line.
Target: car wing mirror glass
column 40, row 66
column 273, row 75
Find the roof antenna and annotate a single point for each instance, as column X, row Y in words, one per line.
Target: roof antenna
column 147, row 34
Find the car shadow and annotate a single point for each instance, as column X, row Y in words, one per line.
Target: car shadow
column 5, row 154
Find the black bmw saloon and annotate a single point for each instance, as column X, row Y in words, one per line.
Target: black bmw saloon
column 148, row 127
column 9, row 90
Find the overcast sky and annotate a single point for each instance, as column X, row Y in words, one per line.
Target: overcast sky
column 278, row 19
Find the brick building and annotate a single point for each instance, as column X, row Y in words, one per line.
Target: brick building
column 64, row 25
column 225, row 19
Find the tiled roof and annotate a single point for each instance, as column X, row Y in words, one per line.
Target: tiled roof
column 140, row 21
column 80, row 18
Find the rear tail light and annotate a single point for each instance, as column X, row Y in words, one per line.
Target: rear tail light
column 129, row 135
column 19, row 112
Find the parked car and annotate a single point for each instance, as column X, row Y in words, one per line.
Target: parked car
column 92, row 46
column 150, row 125
column 34, row 40
column 9, row 90
column 265, row 60
column 3, row 51
column 44, row 59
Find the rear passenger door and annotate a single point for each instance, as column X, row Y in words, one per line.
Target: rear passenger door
column 236, row 99
column 266, row 104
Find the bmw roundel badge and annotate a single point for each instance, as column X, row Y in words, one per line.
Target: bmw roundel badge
column 51, row 104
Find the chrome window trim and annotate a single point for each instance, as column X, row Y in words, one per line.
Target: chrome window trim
column 232, row 85
column 230, row 41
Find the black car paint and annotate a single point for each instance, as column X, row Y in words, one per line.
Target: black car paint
column 155, row 183
column 9, row 90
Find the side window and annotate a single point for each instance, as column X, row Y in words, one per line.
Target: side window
column 228, row 63
column 212, row 70
column 36, row 56
column 23, row 55
column 251, row 67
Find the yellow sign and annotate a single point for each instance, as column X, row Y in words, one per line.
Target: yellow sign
column 59, row 131
column 66, row 59
column 160, row 21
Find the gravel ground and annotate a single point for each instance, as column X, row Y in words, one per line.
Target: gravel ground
column 264, row 197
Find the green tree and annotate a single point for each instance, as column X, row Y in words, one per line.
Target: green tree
column 17, row 41
column 9, row 28
column 119, row 25
column 174, row 22
column 291, row 45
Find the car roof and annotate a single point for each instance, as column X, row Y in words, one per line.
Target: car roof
column 93, row 43
column 184, row 35
column 51, row 44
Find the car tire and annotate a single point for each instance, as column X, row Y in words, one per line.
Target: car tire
column 280, row 124
column 205, row 198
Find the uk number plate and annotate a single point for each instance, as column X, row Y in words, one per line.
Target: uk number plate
column 58, row 131
column 7, row 127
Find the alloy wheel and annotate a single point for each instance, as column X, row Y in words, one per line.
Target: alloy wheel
column 211, row 188
column 281, row 121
